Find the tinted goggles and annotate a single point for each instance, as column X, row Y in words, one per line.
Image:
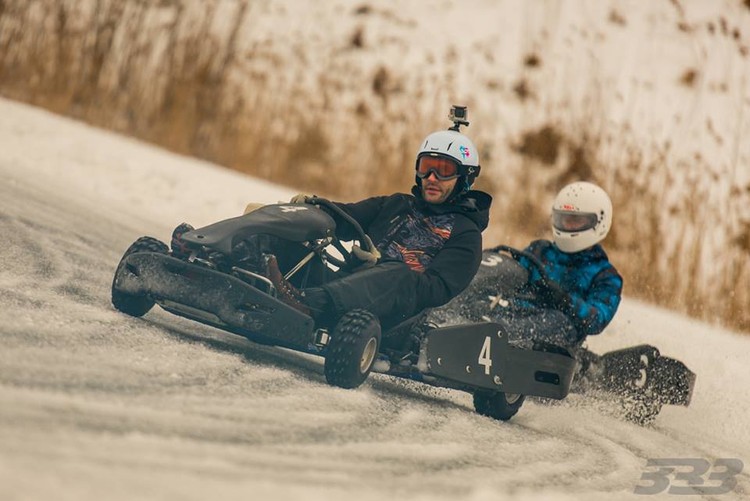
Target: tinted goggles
column 443, row 168
column 573, row 222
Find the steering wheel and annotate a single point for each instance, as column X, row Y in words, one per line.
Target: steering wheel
column 349, row 262
column 518, row 254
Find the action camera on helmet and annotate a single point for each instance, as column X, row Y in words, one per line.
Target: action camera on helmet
column 458, row 116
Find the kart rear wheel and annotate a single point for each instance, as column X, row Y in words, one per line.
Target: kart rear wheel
column 133, row 304
column 354, row 345
column 497, row 405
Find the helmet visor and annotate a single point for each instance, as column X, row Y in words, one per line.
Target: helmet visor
column 573, row 222
column 443, row 168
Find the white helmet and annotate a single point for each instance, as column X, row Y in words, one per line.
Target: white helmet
column 454, row 146
column 581, row 216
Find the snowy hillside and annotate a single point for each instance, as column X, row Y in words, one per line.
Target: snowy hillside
column 97, row 405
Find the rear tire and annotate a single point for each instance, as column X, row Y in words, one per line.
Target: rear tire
column 133, row 304
column 353, row 348
column 497, row 405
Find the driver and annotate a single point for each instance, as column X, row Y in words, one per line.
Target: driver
column 427, row 246
column 581, row 291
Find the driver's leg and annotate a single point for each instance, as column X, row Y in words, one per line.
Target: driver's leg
column 379, row 289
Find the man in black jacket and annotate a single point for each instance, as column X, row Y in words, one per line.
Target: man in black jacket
column 427, row 245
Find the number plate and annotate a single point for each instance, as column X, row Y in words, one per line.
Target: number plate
column 479, row 355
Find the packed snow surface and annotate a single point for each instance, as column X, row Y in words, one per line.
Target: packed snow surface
column 98, row 405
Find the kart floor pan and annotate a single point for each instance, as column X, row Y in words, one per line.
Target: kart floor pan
column 215, row 298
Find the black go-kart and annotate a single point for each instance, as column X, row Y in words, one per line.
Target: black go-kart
column 217, row 281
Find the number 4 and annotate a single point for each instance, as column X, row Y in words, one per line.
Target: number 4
column 484, row 355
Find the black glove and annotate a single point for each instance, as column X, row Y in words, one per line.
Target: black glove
column 552, row 294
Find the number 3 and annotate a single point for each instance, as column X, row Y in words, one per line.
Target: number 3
column 492, row 260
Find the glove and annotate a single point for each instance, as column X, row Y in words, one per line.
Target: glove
column 300, row 198
column 368, row 259
column 252, row 206
column 552, row 294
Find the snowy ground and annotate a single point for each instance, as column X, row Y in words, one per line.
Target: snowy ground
column 97, row 405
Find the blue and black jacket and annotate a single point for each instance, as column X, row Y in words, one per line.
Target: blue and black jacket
column 594, row 285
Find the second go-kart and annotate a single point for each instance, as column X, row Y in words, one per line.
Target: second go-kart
column 217, row 281
column 639, row 378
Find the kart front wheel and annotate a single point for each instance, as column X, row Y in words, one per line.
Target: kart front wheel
column 134, row 304
column 498, row 405
column 354, row 345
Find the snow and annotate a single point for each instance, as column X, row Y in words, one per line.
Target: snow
column 97, row 405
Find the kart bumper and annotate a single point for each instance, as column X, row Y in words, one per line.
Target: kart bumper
column 643, row 369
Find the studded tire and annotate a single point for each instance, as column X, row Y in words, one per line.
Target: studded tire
column 133, row 304
column 497, row 405
column 353, row 348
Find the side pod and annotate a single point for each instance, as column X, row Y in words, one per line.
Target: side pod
column 479, row 355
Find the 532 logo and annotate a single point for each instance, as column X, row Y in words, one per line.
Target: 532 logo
column 686, row 476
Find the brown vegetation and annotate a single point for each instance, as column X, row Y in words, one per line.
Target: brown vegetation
column 689, row 77
column 658, row 273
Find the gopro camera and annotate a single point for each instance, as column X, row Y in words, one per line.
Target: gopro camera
column 458, row 116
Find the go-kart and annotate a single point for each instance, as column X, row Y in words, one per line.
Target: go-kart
column 218, row 281
column 639, row 377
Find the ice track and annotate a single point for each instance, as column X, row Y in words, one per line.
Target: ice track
column 97, row 405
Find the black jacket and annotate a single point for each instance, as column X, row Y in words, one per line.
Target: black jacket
column 441, row 245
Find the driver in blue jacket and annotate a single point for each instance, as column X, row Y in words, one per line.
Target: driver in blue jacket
column 580, row 291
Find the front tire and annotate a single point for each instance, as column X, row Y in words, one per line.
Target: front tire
column 353, row 348
column 498, row 405
column 135, row 305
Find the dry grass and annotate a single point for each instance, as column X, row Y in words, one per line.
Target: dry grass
column 672, row 276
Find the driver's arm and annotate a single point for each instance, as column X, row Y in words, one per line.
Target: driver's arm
column 592, row 309
column 450, row 271
column 592, row 312
column 364, row 212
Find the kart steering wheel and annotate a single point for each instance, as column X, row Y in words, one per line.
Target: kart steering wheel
column 518, row 254
column 349, row 262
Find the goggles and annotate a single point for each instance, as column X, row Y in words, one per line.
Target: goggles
column 443, row 168
column 573, row 222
